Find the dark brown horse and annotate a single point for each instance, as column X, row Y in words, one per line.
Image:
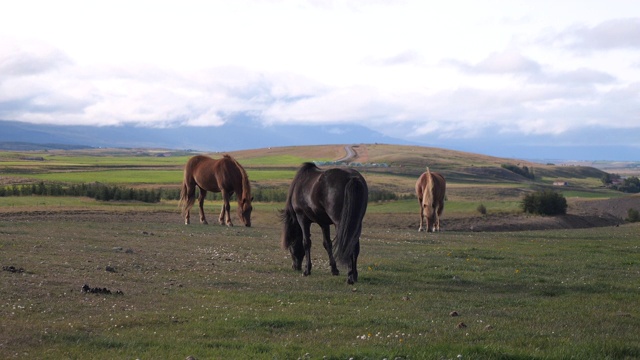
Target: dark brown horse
column 223, row 175
column 326, row 197
column 430, row 189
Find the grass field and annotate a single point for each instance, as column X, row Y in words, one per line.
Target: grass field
column 214, row 292
column 219, row 293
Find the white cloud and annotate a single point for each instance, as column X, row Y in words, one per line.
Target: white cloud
column 607, row 35
column 411, row 69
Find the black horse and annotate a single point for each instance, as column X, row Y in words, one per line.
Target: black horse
column 334, row 196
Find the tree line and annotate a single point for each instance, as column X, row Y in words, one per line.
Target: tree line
column 98, row 191
column 627, row 185
column 522, row 171
column 106, row 192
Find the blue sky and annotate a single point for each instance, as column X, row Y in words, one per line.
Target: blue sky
column 544, row 74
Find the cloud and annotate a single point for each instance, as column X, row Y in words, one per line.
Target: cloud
column 409, row 70
column 408, row 57
column 581, row 76
column 607, row 35
column 30, row 59
column 506, row 62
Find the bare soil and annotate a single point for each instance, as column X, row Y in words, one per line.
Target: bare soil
column 580, row 214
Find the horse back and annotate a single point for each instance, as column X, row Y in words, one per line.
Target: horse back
column 431, row 185
column 439, row 187
column 199, row 170
column 319, row 194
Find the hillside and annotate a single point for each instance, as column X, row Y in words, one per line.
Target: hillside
column 472, row 179
column 411, row 161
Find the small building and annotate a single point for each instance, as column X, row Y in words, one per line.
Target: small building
column 560, row 183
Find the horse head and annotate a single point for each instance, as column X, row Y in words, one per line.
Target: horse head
column 244, row 211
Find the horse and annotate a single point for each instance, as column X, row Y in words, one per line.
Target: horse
column 224, row 175
column 430, row 190
column 333, row 196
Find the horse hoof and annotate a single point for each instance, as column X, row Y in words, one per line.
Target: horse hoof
column 350, row 281
column 335, row 272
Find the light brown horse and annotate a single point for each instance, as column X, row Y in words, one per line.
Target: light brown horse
column 223, row 175
column 430, row 190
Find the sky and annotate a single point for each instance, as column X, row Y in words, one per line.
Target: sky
column 461, row 73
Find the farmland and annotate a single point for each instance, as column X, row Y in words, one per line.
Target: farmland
column 555, row 291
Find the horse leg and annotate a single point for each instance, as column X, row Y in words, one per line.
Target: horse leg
column 352, row 276
column 190, row 194
column 203, row 194
column 435, row 218
column 225, row 213
column 326, row 242
column 430, row 221
column 421, row 217
column 306, row 242
column 438, row 213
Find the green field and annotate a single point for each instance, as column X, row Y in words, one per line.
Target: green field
column 214, row 292
column 229, row 293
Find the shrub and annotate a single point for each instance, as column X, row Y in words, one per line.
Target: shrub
column 630, row 185
column 522, row 171
column 633, row 215
column 545, row 202
column 482, row 209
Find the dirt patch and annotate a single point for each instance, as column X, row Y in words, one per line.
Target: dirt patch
column 610, row 207
column 498, row 222
column 580, row 214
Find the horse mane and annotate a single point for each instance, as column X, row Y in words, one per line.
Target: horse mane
column 307, row 165
column 428, row 191
column 246, row 187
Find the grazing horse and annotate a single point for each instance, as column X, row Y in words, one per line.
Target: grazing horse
column 325, row 197
column 223, row 175
column 430, row 189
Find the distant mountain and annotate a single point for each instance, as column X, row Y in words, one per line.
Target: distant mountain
column 229, row 137
column 28, row 146
column 244, row 133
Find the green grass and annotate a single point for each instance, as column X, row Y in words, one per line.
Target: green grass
column 218, row 293
column 270, row 175
column 224, row 293
column 451, row 207
column 279, row 160
column 161, row 177
column 138, row 176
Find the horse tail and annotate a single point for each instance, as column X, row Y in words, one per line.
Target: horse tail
column 292, row 231
column 427, row 199
column 187, row 198
column 356, row 196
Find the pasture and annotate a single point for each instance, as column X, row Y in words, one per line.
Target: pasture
column 214, row 292
column 162, row 289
